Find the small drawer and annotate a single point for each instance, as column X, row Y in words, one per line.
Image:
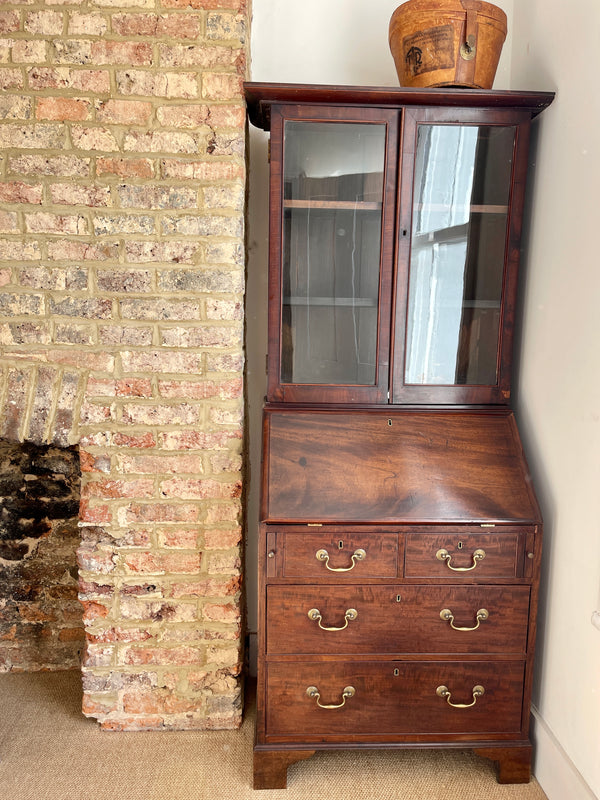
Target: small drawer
column 339, row 554
column 414, row 699
column 397, row 619
column 462, row 556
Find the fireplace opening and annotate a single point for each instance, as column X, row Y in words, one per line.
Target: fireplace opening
column 41, row 624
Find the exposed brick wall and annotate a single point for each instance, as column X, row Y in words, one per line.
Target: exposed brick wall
column 121, row 324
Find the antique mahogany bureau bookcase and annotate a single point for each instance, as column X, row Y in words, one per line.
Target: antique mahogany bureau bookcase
column 400, row 537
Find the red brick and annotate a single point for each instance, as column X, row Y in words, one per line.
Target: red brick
column 161, row 464
column 135, row 24
column 191, row 489
column 62, row 108
column 158, row 512
column 163, row 361
column 188, row 116
column 17, row 192
column 221, row 86
column 93, row 463
column 119, row 635
column 182, row 564
column 125, row 167
column 215, row 612
column 134, row 387
column 186, row 538
column 46, row 23
column 234, row 5
column 225, row 461
column 158, row 702
column 124, row 112
column 210, row 587
column 172, row 85
column 180, row 414
column 87, row 24
column 201, row 170
column 130, row 53
column 74, row 195
column 197, row 440
column 10, row 78
column 45, row 222
column 118, row 488
column 97, row 656
column 82, row 80
column 9, row 21
column 178, row 26
column 163, row 656
column 92, row 611
column 219, row 513
column 147, row 563
column 95, row 514
column 222, row 539
column 143, row 440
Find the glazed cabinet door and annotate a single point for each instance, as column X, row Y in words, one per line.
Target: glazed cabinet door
column 333, row 178
column 458, row 247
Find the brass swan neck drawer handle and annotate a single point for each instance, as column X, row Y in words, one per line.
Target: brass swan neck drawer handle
column 444, row 555
column 349, row 691
column 443, row 691
column 448, row 616
column 357, row 555
column 315, row 615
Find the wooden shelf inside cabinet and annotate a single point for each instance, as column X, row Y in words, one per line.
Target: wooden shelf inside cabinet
column 334, row 205
column 351, row 302
column 474, row 209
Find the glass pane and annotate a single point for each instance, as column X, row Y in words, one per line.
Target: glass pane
column 333, row 194
column 460, row 215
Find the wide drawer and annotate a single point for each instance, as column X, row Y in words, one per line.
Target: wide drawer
column 334, row 700
column 330, row 554
column 397, row 619
column 463, row 556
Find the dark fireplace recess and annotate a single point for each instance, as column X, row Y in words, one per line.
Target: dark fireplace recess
column 40, row 616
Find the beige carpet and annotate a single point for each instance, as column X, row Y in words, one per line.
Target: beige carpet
column 49, row 751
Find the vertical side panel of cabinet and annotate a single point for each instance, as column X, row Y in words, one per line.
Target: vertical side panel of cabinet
column 342, row 223
column 274, row 392
column 482, row 214
column 532, row 569
column 266, row 543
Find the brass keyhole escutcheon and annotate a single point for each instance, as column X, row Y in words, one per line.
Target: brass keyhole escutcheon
column 467, row 49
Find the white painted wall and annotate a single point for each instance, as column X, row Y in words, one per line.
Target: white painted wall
column 551, row 45
column 555, row 45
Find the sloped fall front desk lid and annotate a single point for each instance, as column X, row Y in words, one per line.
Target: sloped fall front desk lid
column 395, row 467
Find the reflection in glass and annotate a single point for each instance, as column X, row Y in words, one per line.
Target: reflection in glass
column 333, row 193
column 460, row 214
